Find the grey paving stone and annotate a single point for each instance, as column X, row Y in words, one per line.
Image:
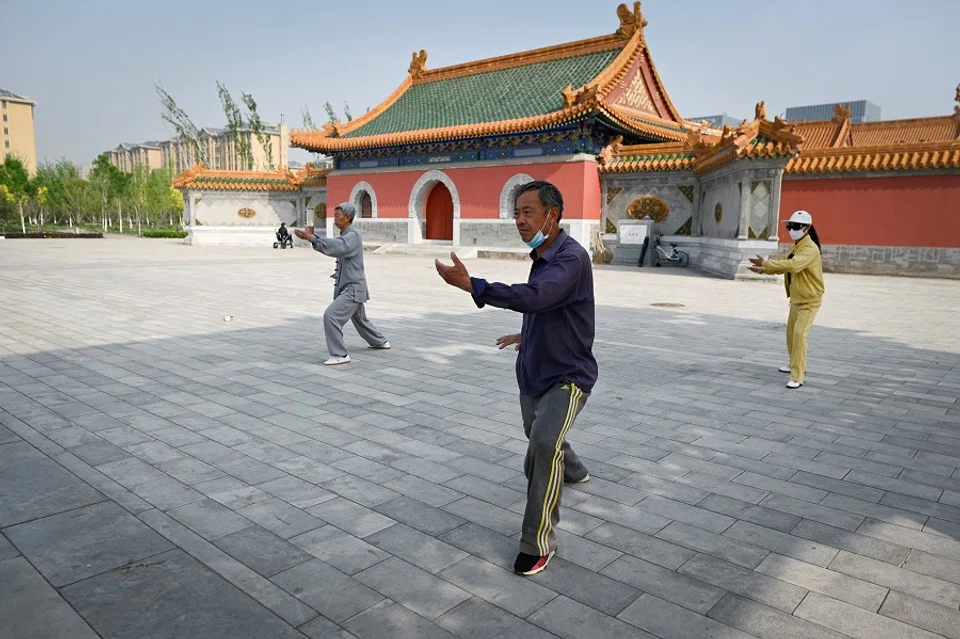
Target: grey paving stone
column 841, row 487
column 911, row 538
column 296, row 492
column 855, row 622
column 417, row 548
column 250, row 470
column 827, row 582
column 232, row 493
column 854, row 542
column 766, row 623
column 30, row 607
column 782, row 543
column 416, row 589
column 6, row 549
column 389, row 619
column 341, row 550
column 498, row 586
column 934, row 566
column 572, row 620
column 323, row 628
column 77, row 544
column 759, row 515
column 671, row 621
column 749, row 583
column 326, row 589
column 488, row 515
column 735, row 552
column 476, row 619
column 923, row 614
column 190, row 471
column 897, row 516
column 99, row 452
column 939, row 511
column 895, row 578
column 170, row 595
column 420, row 516
column 585, row 552
column 280, row 518
column 680, row 589
column 629, row 517
column 600, row 592
column 209, row 519
column 360, row 490
column 816, row 512
column 262, row 551
column 353, row 518
column 281, row 603
column 38, row 487
column 677, row 511
column 642, row 546
column 425, row 491
column 900, row 486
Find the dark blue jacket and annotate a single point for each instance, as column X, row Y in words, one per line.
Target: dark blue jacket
column 559, row 320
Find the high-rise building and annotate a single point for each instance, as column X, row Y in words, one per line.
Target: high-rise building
column 18, row 137
column 860, row 111
column 218, row 145
column 718, row 121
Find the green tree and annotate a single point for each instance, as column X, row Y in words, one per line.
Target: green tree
column 256, row 125
column 235, row 124
column 186, row 130
column 15, row 186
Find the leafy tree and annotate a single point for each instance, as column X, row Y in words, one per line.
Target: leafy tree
column 15, row 186
column 184, row 127
column 256, row 125
column 235, row 124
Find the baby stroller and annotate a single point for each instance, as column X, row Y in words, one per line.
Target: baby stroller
column 284, row 239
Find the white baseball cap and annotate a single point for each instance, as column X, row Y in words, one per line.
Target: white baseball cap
column 800, row 217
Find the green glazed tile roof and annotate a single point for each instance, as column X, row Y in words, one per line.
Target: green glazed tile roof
column 506, row 94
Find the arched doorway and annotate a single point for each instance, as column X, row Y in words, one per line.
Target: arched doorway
column 439, row 213
column 366, row 205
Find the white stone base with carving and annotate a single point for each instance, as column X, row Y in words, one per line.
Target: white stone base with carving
column 230, row 236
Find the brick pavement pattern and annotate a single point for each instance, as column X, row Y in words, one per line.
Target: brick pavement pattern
column 166, row 473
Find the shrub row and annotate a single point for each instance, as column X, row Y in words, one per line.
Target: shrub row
column 164, row 233
column 40, row 235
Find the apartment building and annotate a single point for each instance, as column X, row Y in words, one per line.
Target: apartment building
column 18, row 137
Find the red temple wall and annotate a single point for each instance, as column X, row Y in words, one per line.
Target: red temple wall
column 912, row 211
column 479, row 188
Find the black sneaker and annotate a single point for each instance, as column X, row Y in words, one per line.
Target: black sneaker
column 584, row 480
column 531, row 564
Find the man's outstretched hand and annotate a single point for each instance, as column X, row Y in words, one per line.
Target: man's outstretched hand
column 507, row 340
column 455, row 275
column 305, row 234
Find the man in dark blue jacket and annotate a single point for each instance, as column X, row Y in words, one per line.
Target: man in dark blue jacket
column 556, row 369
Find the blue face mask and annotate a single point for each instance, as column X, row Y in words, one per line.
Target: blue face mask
column 539, row 238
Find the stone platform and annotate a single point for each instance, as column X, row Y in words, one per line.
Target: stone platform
column 166, row 473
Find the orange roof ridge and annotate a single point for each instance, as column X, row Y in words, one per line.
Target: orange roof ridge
column 524, row 58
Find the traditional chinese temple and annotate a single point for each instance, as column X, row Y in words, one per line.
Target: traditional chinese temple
column 437, row 163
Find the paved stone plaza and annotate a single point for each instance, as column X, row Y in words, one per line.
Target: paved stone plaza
column 164, row 473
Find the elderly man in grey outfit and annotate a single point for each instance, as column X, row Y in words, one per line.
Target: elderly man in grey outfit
column 350, row 285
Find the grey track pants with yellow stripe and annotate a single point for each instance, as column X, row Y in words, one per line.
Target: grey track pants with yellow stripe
column 546, row 421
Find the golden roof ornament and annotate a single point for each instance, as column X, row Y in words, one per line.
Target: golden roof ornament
column 760, row 112
column 418, row 64
column 630, row 21
column 841, row 113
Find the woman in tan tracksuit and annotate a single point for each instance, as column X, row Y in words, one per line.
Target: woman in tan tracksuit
column 803, row 278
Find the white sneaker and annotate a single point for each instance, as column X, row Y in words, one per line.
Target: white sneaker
column 792, row 384
column 383, row 347
column 335, row 361
column 785, row 368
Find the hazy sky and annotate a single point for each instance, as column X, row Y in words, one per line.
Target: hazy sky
column 91, row 65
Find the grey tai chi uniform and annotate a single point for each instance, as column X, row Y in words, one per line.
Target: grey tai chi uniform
column 349, row 292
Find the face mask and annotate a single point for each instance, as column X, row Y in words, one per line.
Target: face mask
column 796, row 235
column 539, row 238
